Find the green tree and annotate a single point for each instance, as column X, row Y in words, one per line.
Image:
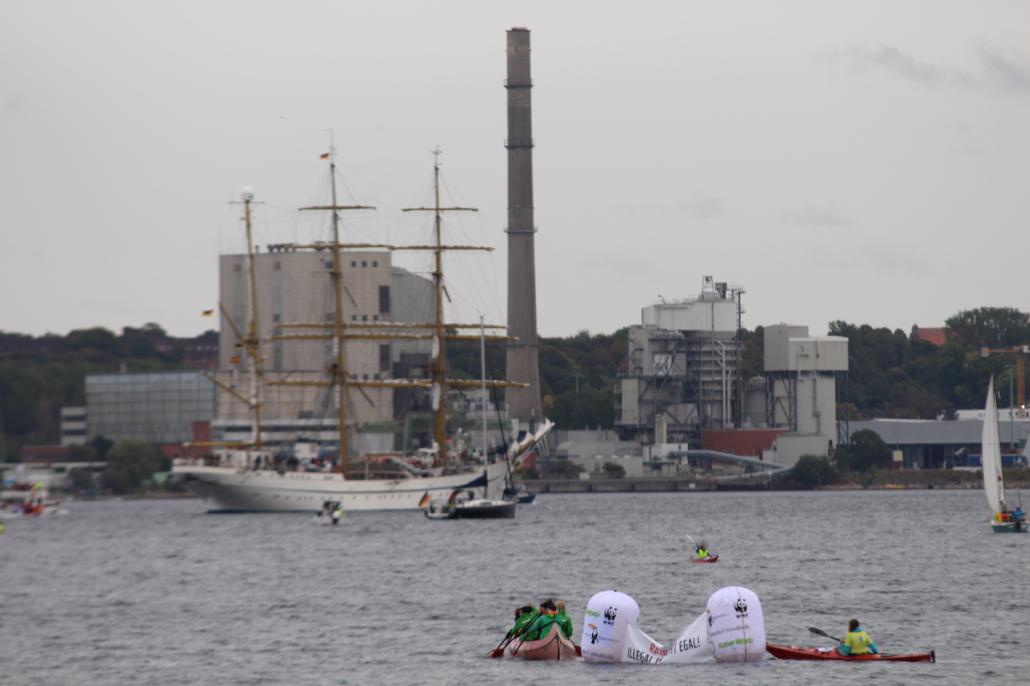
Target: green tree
column 865, row 452
column 130, row 463
column 990, row 327
column 614, row 470
column 812, row 471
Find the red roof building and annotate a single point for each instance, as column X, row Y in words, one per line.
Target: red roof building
column 933, row 335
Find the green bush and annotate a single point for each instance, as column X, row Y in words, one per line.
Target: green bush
column 813, row 471
column 614, row 470
column 130, row 464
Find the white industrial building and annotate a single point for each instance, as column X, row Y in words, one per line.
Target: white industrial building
column 682, row 382
column 682, row 367
column 801, row 380
column 294, row 287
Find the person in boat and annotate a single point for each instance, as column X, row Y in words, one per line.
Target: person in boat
column 857, row 641
column 563, row 620
column 547, row 616
column 702, row 551
column 523, row 617
column 337, row 514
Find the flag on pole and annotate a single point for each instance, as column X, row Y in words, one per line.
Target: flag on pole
column 207, row 313
column 324, row 156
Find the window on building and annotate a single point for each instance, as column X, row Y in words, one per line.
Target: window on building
column 384, row 357
column 375, row 263
column 364, row 263
column 364, row 317
column 353, row 263
column 384, row 299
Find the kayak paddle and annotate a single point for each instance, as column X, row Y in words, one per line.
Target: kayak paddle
column 820, row 632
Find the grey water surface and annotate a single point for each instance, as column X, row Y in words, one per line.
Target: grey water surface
column 158, row 592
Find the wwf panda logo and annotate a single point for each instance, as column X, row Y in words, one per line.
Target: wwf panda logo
column 740, row 606
column 609, row 614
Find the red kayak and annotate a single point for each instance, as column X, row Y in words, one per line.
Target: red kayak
column 807, row 653
column 713, row 558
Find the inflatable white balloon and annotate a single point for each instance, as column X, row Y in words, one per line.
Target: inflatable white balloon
column 608, row 615
column 736, row 626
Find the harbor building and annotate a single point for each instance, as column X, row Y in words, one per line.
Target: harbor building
column 158, row 407
column 294, row 287
column 73, row 426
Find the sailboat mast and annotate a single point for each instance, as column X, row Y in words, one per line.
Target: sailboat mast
column 339, row 374
column 482, row 377
column 251, row 341
column 439, row 355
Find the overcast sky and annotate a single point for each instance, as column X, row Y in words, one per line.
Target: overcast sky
column 865, row 161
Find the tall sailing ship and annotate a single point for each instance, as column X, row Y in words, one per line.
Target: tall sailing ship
column 246, row 476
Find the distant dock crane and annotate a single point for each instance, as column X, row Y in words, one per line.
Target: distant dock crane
column 1020, row 351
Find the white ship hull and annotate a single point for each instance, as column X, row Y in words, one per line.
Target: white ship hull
column 232, row 489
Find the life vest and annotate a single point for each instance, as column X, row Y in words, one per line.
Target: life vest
column 858, row 642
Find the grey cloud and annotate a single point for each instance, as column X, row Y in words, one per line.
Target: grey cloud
column 1007, row 72
column 809, row 216
column 904, row 64
column 702, row 207
column 997, row 70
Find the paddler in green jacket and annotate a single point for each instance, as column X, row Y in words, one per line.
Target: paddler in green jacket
column 702, row 551
column 857, row 641
column 564, row 621
column 523, row 616
column 542, row 624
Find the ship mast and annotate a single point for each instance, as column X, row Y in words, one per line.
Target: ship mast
column 251, row 342
column 436, row 331
column 337, row 370
column 439, row 361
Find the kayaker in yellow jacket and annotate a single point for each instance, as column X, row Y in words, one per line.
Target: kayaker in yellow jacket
column 857, row 641
column 563, row 620
column 702, row 551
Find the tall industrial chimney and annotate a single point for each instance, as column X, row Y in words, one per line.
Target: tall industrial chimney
column 523, row 364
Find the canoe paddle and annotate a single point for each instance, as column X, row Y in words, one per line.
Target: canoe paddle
column 820, row 632
column 499, row 650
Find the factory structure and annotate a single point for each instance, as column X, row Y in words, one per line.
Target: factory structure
column 524, row 404
column 682, row 388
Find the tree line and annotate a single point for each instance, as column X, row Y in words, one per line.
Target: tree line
column 890, row 374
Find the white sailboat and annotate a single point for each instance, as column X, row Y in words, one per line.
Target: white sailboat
column 1003, row 521
column 240, row 483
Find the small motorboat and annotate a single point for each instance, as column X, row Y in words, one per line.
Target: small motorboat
column 553, row 646
column 706, row 560
column 479, row 508
column 331, row 514
column 785, row 652
column 519, row 494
